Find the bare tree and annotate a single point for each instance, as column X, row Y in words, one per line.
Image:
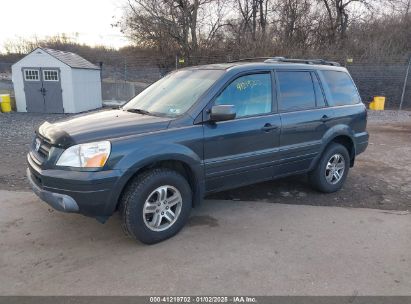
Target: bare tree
column 265, row 27
column 253, row 16
column 295, row 22
column 338, row 15
column 164, row 24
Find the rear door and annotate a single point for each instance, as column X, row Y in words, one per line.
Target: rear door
column 243, row 150
column 343, row 96
column 305, row 118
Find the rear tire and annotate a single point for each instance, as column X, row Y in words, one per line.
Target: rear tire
column 155, row 205
column 332, row 169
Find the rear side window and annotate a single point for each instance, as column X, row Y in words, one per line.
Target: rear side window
column 341, row 87
column 296, row 90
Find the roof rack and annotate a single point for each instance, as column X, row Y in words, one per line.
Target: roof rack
column 250, row 59
column 289, row 60
column 306, row 61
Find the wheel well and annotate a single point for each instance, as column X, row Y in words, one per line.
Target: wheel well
column 347, row 142
column 175, row 165
column 178, row 166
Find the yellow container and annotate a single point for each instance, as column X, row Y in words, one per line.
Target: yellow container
column 5, row 103
column 378, row 103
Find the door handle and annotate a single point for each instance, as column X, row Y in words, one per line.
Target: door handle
column 325, row 118
column 268, row 127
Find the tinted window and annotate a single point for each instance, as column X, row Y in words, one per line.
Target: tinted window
column 175, row 93
column 342, row 89
column 251, row 95
column 319, row 95
column 297, row 91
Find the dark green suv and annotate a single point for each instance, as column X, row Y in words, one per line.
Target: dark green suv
column 200, row 130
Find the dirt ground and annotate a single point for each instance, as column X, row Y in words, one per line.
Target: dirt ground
column 227, row 248
column 381, row 178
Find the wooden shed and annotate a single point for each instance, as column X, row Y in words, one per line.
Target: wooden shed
column 52, row 81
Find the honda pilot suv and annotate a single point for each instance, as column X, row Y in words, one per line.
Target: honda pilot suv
column 200, row 130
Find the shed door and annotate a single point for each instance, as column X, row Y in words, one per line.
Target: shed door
column 33, row 89
column 52, row 92
column 42, row 87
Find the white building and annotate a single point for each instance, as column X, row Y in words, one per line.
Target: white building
column 52, row 81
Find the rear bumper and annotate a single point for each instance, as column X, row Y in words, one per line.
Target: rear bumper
column 90, row 193
column 361, row 142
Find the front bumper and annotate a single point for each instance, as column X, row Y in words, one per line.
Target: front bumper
column 60, row 202
column 91, row 193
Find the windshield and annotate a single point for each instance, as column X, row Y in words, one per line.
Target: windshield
column 174, row 94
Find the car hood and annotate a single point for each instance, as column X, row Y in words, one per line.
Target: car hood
column 99, row 126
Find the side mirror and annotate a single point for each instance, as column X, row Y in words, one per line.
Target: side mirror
column 222, row 113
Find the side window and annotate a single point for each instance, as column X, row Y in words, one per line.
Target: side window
column 341, row 87
column 250, row 94
column 319, row 95
column 296, row 90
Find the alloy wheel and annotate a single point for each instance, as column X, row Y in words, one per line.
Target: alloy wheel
column 162, row 208
column 334, row 170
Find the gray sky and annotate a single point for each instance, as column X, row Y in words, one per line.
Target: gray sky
column 91, row 19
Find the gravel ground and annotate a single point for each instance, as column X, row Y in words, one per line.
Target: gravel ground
column 380, row 179
column 16, row 135
column 389, row 116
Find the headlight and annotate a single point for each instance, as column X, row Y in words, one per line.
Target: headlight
column 90, row 155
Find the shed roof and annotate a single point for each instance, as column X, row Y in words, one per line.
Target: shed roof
column 71, row 59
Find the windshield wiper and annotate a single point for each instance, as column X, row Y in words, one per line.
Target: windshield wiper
column 139, row 111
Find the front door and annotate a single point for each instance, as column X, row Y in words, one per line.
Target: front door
column 243, row 150
column 42, row 87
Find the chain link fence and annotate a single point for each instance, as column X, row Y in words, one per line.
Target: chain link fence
column 384, row 77
column 122, row 81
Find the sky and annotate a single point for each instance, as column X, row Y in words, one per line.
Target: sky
column 91, row 19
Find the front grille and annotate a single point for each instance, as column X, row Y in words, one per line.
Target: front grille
column 41, row 149
column 44, row 149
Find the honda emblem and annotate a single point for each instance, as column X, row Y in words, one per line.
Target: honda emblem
column 37, row 144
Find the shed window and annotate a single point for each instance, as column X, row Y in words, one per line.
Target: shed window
column 50, row 75
column 31, row 75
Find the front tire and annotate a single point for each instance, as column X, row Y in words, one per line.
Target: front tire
column 332, row 169
column 156, row 205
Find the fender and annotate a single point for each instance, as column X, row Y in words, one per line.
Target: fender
column 140, row 158
column 329, row 136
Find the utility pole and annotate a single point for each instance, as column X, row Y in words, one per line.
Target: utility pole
column 405, row 83
column 176, row 62
column 101, row 70
column 125, row 70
